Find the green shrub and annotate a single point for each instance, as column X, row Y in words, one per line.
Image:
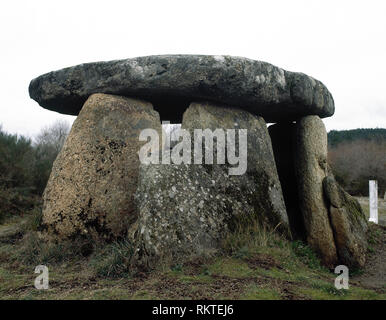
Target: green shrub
column 25, row 168
column 306, row 254
column 16, row 163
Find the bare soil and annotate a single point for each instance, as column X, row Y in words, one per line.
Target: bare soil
column 373, row 275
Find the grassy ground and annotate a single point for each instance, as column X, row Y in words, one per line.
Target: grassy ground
column 364, row 201
column 260, row 266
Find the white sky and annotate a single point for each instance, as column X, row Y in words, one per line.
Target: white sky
column 341, row 43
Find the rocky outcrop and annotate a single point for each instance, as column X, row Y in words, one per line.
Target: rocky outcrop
column 348, row 223
column 282, row 137
column 311, row 169
column 188, row 209
column 93, row 180
column 172, row 82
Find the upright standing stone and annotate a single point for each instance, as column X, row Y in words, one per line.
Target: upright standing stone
column 93, row 179
column 348, row 223
column 311, row 168
column 373, row 200
column 269, row 202
column 282, row 137
column 187, row 210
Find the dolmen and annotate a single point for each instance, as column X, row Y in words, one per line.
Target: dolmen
column 116, row 177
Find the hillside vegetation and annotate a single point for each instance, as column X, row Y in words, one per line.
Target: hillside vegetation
column 25, row 166
column 255, row 264
column 336, row 137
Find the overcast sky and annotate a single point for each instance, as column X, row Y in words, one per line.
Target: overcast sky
column 341, row 43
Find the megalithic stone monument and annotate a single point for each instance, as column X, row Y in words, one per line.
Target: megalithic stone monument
column 99, row 187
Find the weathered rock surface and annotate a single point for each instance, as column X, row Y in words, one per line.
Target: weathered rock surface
column 348, row 223
column 171, row 82
column 334, row 222
column 269, row 202
column 93, row 180
column 187, row 210
column 311, row 169
column 282, row 137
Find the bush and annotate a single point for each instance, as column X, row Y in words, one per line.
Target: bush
column 47, row 145
column 16, row 175
column 306, row 254
column 15, row 201
column 25, row 167
column 16, row 161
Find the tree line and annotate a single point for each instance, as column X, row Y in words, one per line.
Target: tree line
column 357, row 156
column 25, row 166
column 336, row 137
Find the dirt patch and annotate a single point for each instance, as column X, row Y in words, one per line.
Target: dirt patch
column 263, row 261
column 374, row 272
column 165, row 287
column 197, row 266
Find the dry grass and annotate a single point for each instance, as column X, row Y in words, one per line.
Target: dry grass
column 257, row 264
column 364, row 202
